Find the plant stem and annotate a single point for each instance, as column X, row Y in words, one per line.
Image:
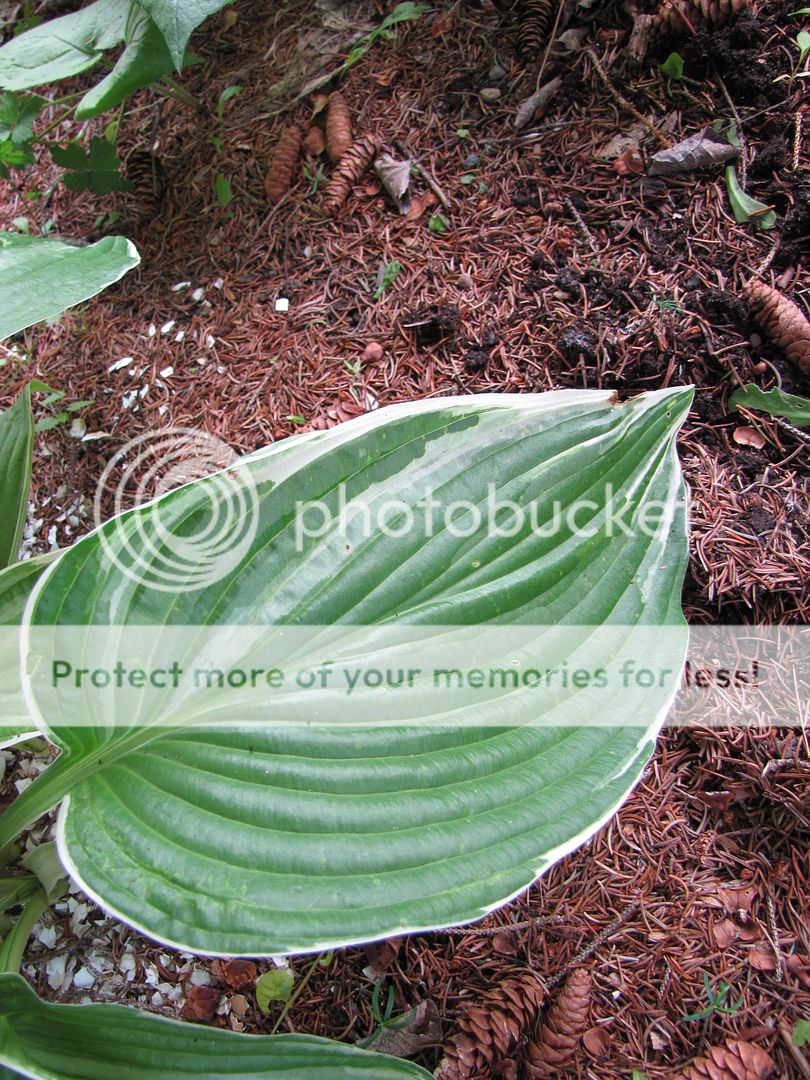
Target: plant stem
column 294, row 996
column 13, row 947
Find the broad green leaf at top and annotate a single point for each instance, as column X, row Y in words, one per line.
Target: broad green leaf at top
column 116, row 1042
column 262, row 835
column 40, row 277
column 775, row 402
column 176, row 19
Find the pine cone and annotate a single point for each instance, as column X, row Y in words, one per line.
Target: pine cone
column 676, row 18
column 782, row 320
column 735, row 1061
column 338, row 127
column 489, row 1033
column 534, row 19
column 282, row 165
column 145, row 173
column 554, row 1047
column 352, row 166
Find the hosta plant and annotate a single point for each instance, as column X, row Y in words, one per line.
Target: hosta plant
column 541, row 534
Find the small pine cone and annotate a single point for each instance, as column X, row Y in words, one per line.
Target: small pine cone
column 352, row 166
column 490, row 1032
column 677, row 18
column 534, row 20
column 782, row 320
column 338, row 127
column 554, row 1047
column 282, row 164
column 735, row 1061
column 145, row 173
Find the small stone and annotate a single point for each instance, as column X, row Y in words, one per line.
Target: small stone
column 490, row 94
column 471, row 161
column 373, row 353
column 496, row 73
column 465, row 281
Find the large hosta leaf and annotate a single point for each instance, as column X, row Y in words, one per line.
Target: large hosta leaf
column 271, row 838
column 16, row 446
column 98, row 1042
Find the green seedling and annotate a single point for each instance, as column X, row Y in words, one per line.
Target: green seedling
column 717, row 1002
column 438, row 223
column 274, row 985
column 672, row 67
column 294, row 418
column 385, row 1019
column 803, row 45
column 801, row 1033
column 354, row 367
column 314, row 178
column 223, row 189
column 746, row 209
column 405, row 12
column 390, row 275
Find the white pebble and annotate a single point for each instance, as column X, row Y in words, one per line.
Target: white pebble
column 166, row 372
column 122, row 363
column 197, row 295
column 282, row 304
column 180, row 285
column 83, row 979
column 168, row 326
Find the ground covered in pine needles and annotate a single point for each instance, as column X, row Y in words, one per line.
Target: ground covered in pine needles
column 530, row 260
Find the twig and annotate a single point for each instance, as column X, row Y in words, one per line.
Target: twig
column 797, row 140
column 775, row 944
column 600, row 939
column 583, row 228
column 431, row 183
column 794, row 1051
column 491, row 931
column 797, row 433
column 740, row 136
column 625, row 104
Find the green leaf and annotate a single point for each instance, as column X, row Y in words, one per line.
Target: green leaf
column 16, row 583
column 223, row 189
column 801, row 1033
column 96, row 169
column 17, row 115
column 14, row 155
column 98, row 1042
column 390, row 275
column 745, row 208
column 62, row 47
column 44, row 861
column 352, row 818
column 438, row 223
column 145, row 59
column 801, row 11
column 41, row 277
column 16, row 448
column 672, row 67
column 275, row 985
column 774, row 402
column 226, row 95
column 803, row 41
column 638, row 1075
column 16, row 888
column 176, row 19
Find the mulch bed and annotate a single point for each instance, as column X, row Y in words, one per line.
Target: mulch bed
column 558, row 269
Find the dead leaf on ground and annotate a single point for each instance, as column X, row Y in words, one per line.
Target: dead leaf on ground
column 725, row 932
column 201, row 1004
column 423, row 1030
column 630, row 163
column 597, row 1040
column 535, row 106
column 761, row 958
column 708, row 147
column 395, row 176
column 748, row 436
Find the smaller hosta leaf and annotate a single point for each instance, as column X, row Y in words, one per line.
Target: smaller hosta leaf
column 16, row 445
column 95, row 169
column 274, row 985
column 746, row 209
column 17, row 115
column 40, row 277
column 96, row 1042
column 774, row 402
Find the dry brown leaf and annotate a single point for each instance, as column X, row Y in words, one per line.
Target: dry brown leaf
column 534, row 107
column 319, row 103
column 201, row 1004
column 748, row 436
column 395, row 176
column 708, row 147
column 629, row 163
column 422, row 1030
column 235, row 973
column 315, row 143
column 761, row 958
column 737, row 897
column 725, row 932
column 596, row 1040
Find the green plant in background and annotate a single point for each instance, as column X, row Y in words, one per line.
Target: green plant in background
column 717, row 1002
column 385, row 1019
column 389, row 275
column 775, row 402
column 404, row 12
column 803, row 45
column 746, row 209
column 672, row 67
column 801, row 1033
column 378, row 848
column 16, row 448
column 95, row 169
